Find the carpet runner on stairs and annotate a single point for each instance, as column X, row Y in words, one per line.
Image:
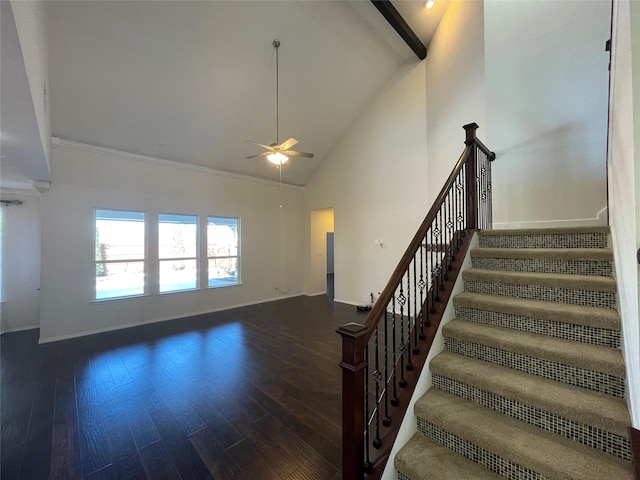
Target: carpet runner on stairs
column 531, row 382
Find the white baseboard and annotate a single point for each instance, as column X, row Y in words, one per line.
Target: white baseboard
column 348, row 302
column 157, row 320
column 19, row 329
column 315, row 294
column 600, row 220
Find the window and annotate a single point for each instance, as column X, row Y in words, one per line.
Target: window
column 223, row 252
column 119, row 253
column 178, row 252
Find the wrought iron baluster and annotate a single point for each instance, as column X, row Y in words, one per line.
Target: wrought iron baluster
column 394, row 399
column 408, row 348
column 416, row 350
column 386, row 421
column 422, row 285
column 432, row 273
column 448, row 236
column 459, row 219
column 403, row 347
column 443, row 242
column 377, row 378
column 367, row 462
column 450, row 231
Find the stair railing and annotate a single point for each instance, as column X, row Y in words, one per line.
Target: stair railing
column 382, row 359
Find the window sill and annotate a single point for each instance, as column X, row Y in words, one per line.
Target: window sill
column 225, row 285
column 119, row 299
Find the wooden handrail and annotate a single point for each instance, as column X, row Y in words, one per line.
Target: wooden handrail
column 451, row 232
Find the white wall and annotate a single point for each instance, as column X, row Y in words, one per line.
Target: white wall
column 547, row 83
column 20, row 262
column 375, row 180
column 29, row 17
column 383, row 176
column 624, row 187
column 85, row 178
column 455, row 88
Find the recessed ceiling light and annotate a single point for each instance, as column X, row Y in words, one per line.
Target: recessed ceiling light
column 429, row 4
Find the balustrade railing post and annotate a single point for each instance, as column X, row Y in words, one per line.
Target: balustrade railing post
column 472, row 194
column 353, row 420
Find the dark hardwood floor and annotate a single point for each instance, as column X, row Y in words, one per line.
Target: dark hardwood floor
column 249, row 393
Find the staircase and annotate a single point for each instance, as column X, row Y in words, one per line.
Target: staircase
column 531, row 382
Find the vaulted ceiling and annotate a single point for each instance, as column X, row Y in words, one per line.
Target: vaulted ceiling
column 192, row 81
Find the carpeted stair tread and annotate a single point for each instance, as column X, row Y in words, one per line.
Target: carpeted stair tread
column 590, row 408
column 559, row 280
column 424, row 459
column 588, row 357
column 532, row 448
column 597, row 254
column 598, row 317
column 543, row 231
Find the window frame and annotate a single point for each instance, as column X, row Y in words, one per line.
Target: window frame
column 237, row 256
column 144, row 260
column 196, row 259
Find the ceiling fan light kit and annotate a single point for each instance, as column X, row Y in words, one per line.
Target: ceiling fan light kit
column 278, row 153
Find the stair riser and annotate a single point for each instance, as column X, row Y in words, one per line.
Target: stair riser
column 599, row 439
column 568, row 331
column 571, row 267
column 473, row 452
column 587, row 379
column 545, row 240
column 538, row 292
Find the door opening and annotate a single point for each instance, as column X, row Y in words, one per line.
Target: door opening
column 330, row 272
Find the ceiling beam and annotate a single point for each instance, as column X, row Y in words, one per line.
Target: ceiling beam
column 392, row 16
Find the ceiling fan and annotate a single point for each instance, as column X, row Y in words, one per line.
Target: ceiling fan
column 279, row 153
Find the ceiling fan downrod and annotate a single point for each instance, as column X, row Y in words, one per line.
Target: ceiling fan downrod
column 276, row 45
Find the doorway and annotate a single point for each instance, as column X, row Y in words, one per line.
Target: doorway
column 320, row 249
column 330, row 272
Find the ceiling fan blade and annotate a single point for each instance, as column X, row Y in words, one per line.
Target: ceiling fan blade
column 288, row 144
column 293, row 153
column 263, row 154
column 268, row 147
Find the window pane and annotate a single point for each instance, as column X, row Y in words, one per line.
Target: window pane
column 121, row 279
column 119, row 235
column 222, row 237
column 177, row 236
column 119, row 253
column 178, row 275
column 223, row 271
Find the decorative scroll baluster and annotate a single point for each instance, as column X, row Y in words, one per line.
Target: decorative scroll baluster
column 423, row 309
column 459, row 195
column 394, row 399
column 416, row 349
column 432, row 271
column 367, row 459
column 451, row 228
column 409, row 365
column 386, row 421
column 403, row 347
column 377, row 378
column 489, row 207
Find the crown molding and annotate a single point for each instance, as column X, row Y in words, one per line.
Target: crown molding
column 61, row 142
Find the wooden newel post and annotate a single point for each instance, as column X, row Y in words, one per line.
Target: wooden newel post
column 353, row 421
column 472, row 194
